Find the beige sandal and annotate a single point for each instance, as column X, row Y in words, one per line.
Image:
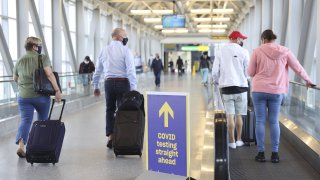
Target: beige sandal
column 21, row 153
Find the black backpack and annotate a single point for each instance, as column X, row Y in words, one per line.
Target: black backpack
column 132, row 100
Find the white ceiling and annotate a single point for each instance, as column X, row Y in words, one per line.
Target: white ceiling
column 240, row 7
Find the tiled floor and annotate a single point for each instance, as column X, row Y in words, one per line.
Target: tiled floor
column 84, row 154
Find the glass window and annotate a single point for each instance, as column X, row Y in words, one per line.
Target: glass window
column 12, row 8
column 13, row 38
column 72, row 16
column 31, row 30
column 48, row 37
column 73, row 40
column 47, row 13
column 103, row 25
column 88, row 19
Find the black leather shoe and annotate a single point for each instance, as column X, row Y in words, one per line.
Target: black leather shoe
column 109, row 144
column 275, row 157
column 260, row 157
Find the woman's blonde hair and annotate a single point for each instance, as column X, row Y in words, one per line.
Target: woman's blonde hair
column 32, row 41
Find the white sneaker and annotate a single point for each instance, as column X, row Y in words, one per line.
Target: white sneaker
column 232, row 145
column 239, row 143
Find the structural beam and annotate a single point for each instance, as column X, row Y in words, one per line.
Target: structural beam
column 5, row 53
column 7, row 60
column 97, row 38
column 57, row 34
column 284, row 21
column 294, row 27
column 22, row 26
column 308, row 35
column 37, row 24
column 80, row 34
column 67, row 36
column 318, row 48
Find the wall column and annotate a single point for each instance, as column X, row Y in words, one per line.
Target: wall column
column 56, row 33
column 22, row 26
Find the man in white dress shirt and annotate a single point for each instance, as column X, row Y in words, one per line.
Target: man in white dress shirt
column 116, row 65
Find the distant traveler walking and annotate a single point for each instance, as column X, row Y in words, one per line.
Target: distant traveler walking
column 269, row 71
column 157, row 67
column 204, row 67
column 179, row 65
column 117, row 64
column 85, row 70
column 230, row 72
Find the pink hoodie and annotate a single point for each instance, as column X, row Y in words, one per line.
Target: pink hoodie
column 269, row 68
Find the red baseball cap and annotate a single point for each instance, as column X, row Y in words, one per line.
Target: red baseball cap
column 237, row 34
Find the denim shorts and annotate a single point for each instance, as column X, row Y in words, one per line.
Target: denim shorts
column 235, row 103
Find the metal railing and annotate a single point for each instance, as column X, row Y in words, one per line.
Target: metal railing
column 73, row 86
column 221, row 164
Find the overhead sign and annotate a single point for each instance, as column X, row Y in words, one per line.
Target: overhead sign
column 167, row 130
column 173, row 21
column 219, row 37
column 195, row 48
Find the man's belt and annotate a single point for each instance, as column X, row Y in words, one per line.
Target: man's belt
column 117, row 79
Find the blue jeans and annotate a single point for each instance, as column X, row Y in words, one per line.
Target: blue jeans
column 114, row 90
column 26, row 108
column 204, row 74
column 157, row 76
column 272, row 103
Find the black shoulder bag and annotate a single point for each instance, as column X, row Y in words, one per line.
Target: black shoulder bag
column 41, row 83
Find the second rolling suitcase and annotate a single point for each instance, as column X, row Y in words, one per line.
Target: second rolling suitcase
column 45, row 139
column 129, row 125
column 248, row 130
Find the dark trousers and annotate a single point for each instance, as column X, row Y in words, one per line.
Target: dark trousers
column 114, row 90
column 157, row 76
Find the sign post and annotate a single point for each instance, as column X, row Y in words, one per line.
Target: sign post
column 167, row 130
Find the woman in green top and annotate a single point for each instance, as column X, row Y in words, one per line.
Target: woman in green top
column 28, row 99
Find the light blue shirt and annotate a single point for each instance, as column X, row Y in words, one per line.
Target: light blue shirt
column 115, row 61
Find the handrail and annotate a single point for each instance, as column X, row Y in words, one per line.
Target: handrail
column 221, row 164
column 60, row 75
column 300, row 84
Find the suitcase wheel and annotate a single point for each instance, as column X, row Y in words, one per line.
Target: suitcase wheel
column 31, row 163
column 140, row 154
column 53, row 163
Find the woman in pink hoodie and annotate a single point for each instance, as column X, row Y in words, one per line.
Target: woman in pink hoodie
column 268, row 68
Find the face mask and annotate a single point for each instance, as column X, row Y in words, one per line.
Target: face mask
column 124, row 41
column 86, row 62
column 39, row 49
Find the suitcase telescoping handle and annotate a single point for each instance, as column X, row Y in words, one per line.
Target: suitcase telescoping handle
column 63, row 103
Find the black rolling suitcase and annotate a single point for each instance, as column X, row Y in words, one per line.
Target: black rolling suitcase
column 45, row 139
column 129, row 125
column 248, row 130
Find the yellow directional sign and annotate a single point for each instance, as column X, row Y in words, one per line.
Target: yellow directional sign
column 166, row 109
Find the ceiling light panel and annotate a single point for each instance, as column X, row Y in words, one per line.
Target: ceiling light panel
column 222, row 11
column 212, row 26
column 148, row 12
column 168, row 31
column 216, row 19
column 211, row 30
column 208, row 11
column 152, row 20
column 140, row 12
column 164, row 11
column 158, row 26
